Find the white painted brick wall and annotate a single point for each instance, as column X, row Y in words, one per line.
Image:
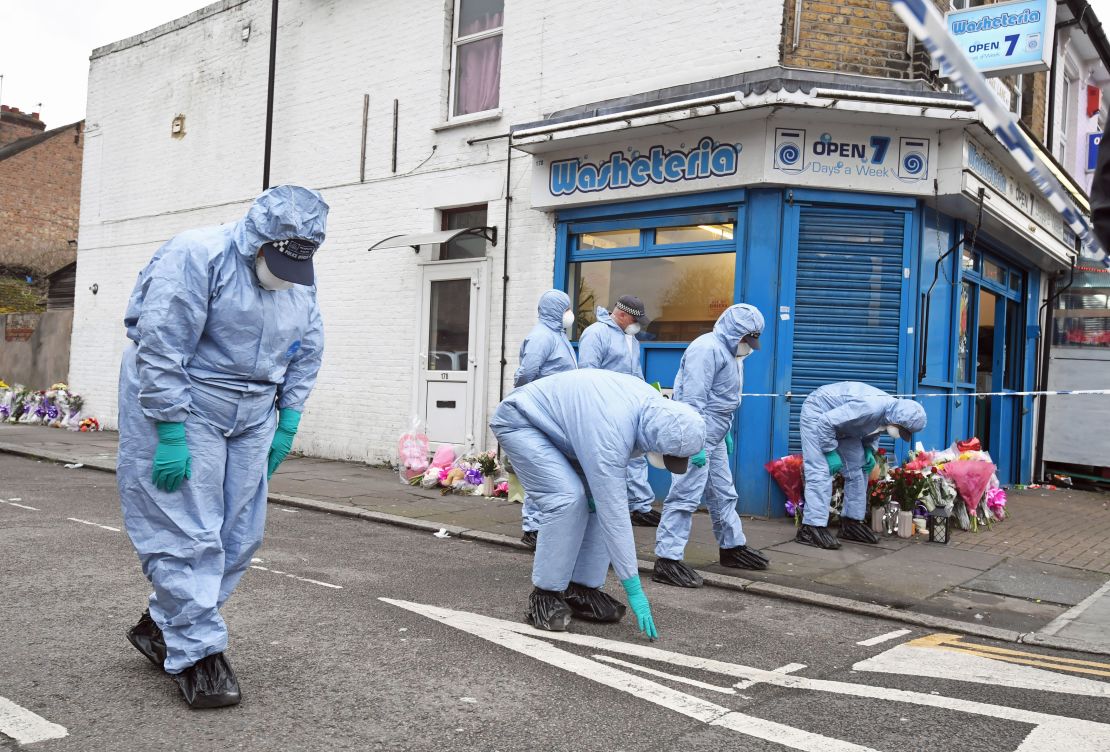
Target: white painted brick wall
column 140, row 186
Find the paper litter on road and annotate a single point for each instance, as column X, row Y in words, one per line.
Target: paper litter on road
column 16, row 498
column 442, row 533
column 75, row 465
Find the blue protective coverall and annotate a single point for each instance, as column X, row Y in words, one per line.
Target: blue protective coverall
column 605, row 345
column 709, row 380
column 846, row 417
column 570, row 437
column 546, row 350
column 213, row 350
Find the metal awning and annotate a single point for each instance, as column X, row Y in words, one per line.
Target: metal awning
column 416, row 240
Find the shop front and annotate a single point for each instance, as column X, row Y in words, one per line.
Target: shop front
column 832, row 234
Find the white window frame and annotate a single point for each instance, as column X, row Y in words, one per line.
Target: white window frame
column 1069, row 84
column 456, row 42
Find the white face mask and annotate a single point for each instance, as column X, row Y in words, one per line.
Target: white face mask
column 568, row 319
column 743, row 350
column 655, row 459
column 893, row 432
column 632, row 330
column 266, row 278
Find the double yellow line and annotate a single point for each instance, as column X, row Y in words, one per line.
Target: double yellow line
column 955, row 643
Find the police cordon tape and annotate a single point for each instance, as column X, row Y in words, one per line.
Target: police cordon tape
column 926, row 23
column 920, row 395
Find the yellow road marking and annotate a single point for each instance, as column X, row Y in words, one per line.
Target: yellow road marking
column 955, row 643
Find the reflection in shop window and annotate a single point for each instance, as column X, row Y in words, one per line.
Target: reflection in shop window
column 693, row 234
column 1082, row 316
column 683, row 295
column 963, row 373
column 603, row 241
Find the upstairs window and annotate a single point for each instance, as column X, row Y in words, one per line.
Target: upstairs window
column 476, row 56
column 465, row 246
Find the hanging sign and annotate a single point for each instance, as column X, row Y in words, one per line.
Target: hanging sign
column 1093, row 140
column 1006, row 38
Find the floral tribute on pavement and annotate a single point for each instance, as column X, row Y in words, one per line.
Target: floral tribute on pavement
column 56, row 407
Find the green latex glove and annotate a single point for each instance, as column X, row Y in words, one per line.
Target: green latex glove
column 640, row 606
column 730, row 445
column 869, row 465
column 288, row 420
column 172, row 463
column 657, row 386
column 699, row 459
column 835, row 463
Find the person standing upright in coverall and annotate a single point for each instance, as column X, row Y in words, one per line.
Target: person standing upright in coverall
column 710, row 379
column 226, row 345
column 570, row 437
column 840, row 426
column 610, row 343
column 545, row 351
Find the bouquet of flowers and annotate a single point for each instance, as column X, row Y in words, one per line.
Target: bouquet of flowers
column 412, row 452
column 971, row 478
column 787, row 472
column 996, row 503
column 907, row 487
column 89, row 424
column 34, row 409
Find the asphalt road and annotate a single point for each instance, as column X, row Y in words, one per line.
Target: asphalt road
column 448, row 664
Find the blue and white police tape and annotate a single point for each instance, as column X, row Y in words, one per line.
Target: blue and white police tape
column 926, row 23
column 920, row 395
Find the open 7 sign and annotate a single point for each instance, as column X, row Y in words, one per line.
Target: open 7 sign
column 1050, row 733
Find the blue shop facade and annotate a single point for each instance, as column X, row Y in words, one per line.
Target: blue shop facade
column 857, row 234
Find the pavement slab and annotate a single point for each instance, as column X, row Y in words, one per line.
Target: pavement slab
column 1038, row 581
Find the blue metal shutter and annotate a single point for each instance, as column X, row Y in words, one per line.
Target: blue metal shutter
column 847, row 303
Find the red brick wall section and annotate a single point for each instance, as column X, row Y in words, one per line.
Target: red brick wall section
column 15, row 125
column 41, row 190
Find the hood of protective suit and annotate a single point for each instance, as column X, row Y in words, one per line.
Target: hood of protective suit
column 604, row 317
column 553, row 304
column 906, row 413
column 737, row 322
column 280, row 213
column 670, row 427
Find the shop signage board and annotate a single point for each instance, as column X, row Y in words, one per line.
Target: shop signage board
column 1006, row 38
column 836, row 157
column 1093, row 140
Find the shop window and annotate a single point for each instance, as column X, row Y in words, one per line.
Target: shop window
column 608, row 240
column 1082, row 316
column 467, row 246
column 994, row 272
column 693, row 234
column 963, row 345
column 683, row 295
column 476, row 56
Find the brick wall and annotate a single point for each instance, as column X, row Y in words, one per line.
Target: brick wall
column 141, row 186
column 15, row 125
column 41, row 188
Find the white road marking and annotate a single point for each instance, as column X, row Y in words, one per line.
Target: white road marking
column 1075, row 611
column 884, row 637
column 787, row 669
column 86, row 522
column 295, row 577
column 664, row 675
column 1050, row 733
column 12, row 503
column 938, row 663
column 26, row 727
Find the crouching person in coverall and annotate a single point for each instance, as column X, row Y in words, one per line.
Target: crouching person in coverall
column 570, row 437
column 840, row 426
column 226, row 345
column 710, row 379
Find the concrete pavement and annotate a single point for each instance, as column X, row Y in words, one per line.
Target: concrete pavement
column 1044, row 566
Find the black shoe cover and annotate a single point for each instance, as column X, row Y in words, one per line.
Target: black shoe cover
column 529, row 539
column 820, row 537
column 743, row 557
column 677, row 573
column 148, row 640
column 593, row 604
column 547, row 610
column 855, row 530
column 650, row 518
column 209, row 683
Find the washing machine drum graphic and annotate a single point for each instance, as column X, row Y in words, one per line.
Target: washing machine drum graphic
column 913, row 164
column 789, row 154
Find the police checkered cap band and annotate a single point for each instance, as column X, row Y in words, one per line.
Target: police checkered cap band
column 631, row 306
column 297, row 249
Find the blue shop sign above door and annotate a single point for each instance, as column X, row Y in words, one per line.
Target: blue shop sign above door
column 1006, row 38
column 836, row 156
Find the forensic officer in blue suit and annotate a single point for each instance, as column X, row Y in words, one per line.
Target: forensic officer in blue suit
column 226, row 343
column 710, row 379
column 546, row 350
column 610, row 343
column 570, row 437
column 840, row 427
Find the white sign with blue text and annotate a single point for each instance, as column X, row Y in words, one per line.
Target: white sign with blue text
column 837, row 157
column 1006, row 38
